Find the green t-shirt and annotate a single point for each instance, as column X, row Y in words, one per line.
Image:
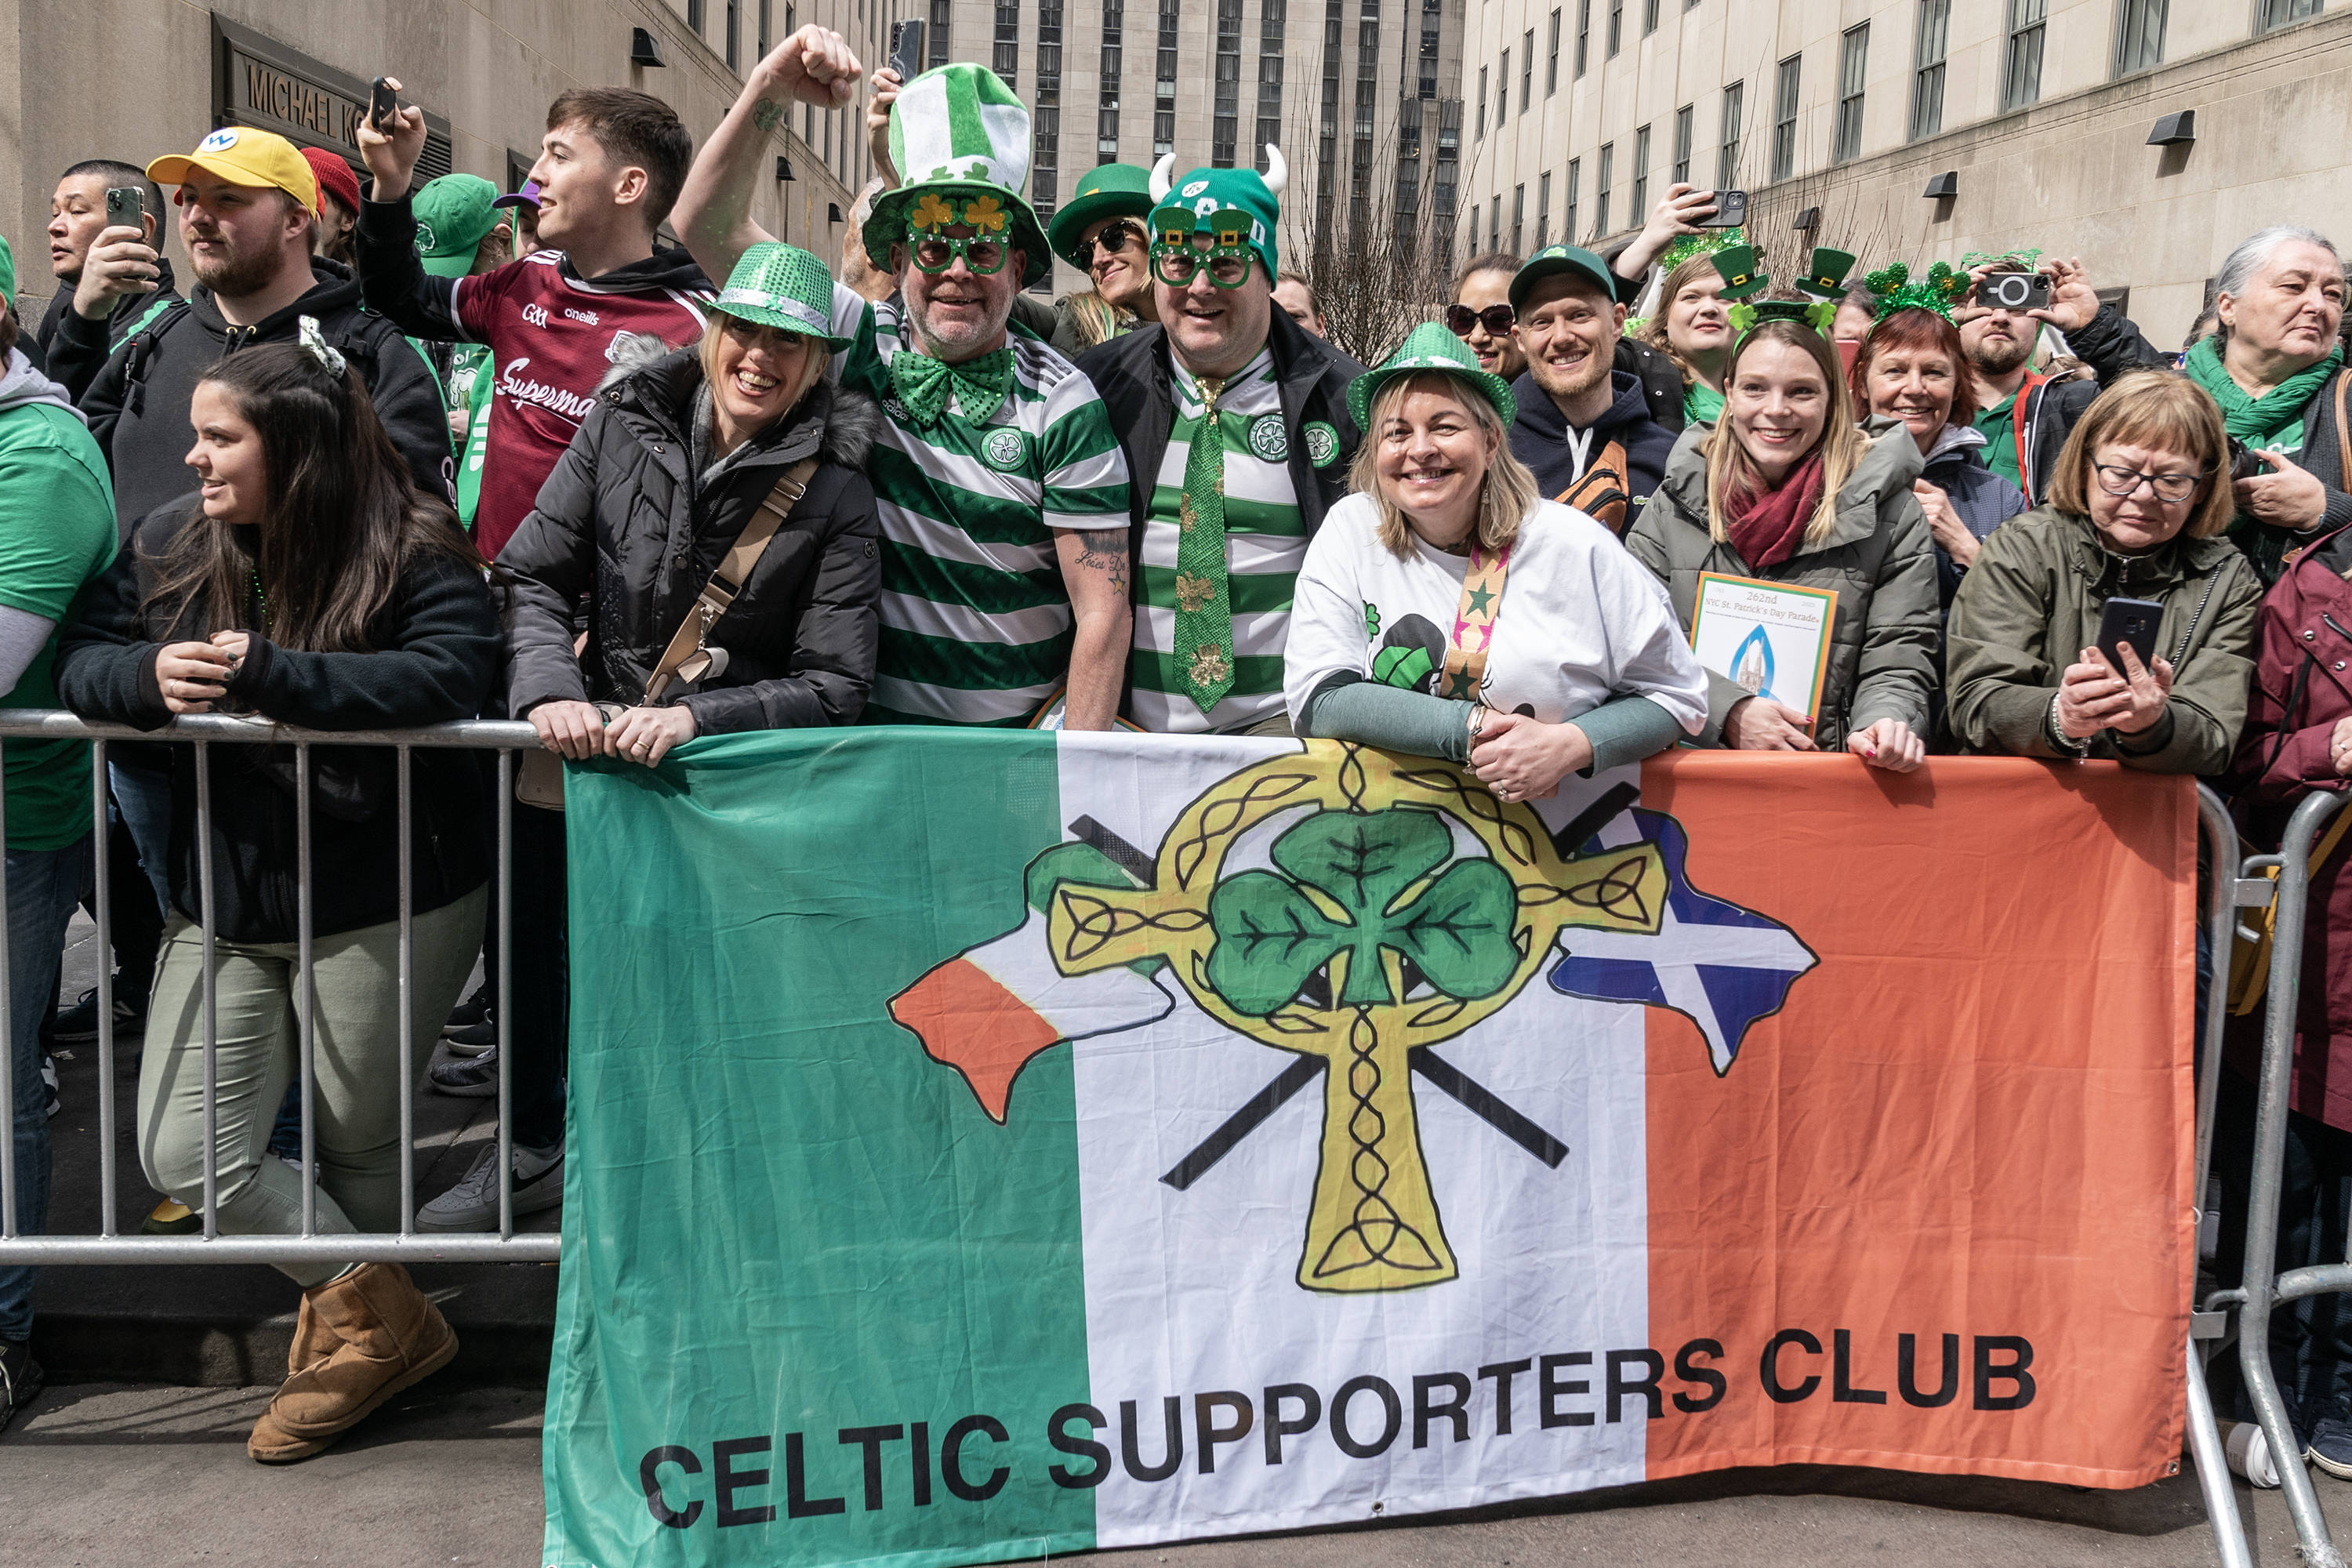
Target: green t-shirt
column 1702, row 404
column 57, row 532
column 2000, row 451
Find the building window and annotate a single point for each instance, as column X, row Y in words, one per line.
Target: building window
column 734, row 35
column 1327, row 143
column 2139, row 35
column 1007, row 63
column 1583, row 33
column 1528, row 71
column 1223, row 128
column 1853, row 57
column 1503, row 90
column 694, row 15
column 1494, row 221
column 1649, row 18
column 2279, row 13
column 1163, row 80
column 1682, row 132
column 1271, row 28
column 1543, row 209
column 1449, row 154
column 1638, row 210
column 1519, row 216
column 1408, row 167
column 935, row 37
column 1551, row 58
column 2021, row 65
column 1784, row 119
column 1616, row 26
column 1482, row 102
column 1568, row 217
column 1360, row 174
column 1114, row 39
column 1727, row 155
column 1927, row 67
column 1045, row 115
column 1426, row 85
column 1600, row 196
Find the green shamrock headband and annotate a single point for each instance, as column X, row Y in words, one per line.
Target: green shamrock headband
column 1696, row 245
column 1939, row 292
column 1823, row 282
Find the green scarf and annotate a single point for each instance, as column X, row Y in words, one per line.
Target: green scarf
column 981, row 385
column 2273, row 422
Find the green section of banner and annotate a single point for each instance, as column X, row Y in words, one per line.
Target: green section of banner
column 783, row 1225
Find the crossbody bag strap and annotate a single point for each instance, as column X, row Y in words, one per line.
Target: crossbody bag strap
column 1474, row 625
column 733, row 572
column 2343, row 431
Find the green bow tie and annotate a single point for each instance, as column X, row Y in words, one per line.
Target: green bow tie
column 981, row 385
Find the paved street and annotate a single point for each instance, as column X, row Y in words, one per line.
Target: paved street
column 151, row 1478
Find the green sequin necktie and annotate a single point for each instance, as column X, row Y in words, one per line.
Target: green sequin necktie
column 1204, row 611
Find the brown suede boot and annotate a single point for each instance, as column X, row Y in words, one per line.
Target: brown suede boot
column 388, row 1337
column 313, row 1340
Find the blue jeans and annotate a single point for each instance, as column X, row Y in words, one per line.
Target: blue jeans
column 44, row 886
column 144, row 796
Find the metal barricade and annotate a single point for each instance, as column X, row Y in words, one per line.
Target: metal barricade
column 203, row 731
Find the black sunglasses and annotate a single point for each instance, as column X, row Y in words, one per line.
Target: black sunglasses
column 1114, row 238
column 1496, row 318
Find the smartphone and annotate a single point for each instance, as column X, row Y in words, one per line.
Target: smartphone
column 1730, row 211
column 126, row 207
column 906, row 49
column 2015, row 291
column 380, row 103
column 2132, row 622
column 2244, row 463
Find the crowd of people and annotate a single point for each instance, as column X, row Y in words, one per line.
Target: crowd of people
column 400, row 456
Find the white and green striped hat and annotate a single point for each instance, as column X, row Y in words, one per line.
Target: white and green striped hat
column 781, row 286
column 959, row 127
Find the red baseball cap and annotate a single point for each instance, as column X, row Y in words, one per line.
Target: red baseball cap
column 335, row 176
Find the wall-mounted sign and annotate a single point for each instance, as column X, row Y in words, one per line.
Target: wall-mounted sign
column 260, row 82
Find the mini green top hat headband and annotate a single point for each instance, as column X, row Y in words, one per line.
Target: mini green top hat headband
column 1823, row 282
column 1938, row 290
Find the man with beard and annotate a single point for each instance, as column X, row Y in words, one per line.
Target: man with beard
column 1002, row 494
column 81, row 245
column 2024, row 415
column 246, row 200
column 1584, row 425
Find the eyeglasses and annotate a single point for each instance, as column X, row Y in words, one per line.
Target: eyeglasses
column 2169, row 488
column 1112, row 238
column 1177, row 265
column 938, row 252
column 1496, row 318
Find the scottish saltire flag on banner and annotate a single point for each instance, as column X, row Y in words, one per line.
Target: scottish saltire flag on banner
column 986, row 1144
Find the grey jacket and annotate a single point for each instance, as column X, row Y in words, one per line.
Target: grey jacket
column 1879, row 557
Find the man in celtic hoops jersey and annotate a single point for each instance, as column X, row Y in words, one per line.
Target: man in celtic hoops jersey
column 1002, row 490
column 1235, row 420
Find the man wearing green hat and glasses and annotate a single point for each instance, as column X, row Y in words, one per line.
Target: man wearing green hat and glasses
column 1001, row 491
column 1239, row 416
column 459, row 234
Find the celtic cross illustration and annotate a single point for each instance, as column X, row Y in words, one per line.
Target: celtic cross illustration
column 1373, row 934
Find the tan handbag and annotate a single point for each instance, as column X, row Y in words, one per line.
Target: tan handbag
column 539, row 780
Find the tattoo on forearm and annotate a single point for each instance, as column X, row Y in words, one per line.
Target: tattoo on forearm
column 767, row 113
column 1105, row 550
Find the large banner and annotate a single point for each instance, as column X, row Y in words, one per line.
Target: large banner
column 986, row 1144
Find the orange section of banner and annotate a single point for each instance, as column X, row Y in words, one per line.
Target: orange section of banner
column 1937, row 1217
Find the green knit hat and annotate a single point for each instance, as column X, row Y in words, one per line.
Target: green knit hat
column 1234, row 203
column 1107, row 190
column 1430, row 346
column 453, row 216
column 958, row 134
column 781, row 286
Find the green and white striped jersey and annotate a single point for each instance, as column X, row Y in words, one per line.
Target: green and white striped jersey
column 975, row 621
column 1265, row 542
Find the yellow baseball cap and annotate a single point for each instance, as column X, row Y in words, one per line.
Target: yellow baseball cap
column 244, row 156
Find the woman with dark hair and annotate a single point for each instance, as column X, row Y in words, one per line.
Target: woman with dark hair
column 1911, row 368
column 1787, row 488
column 309, row 582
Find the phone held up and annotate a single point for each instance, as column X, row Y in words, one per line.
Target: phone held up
column 2015, row 291
column 2129, row 622
column 1730, row 211
column 906, row 49
column 382, row 101
column 126, row 207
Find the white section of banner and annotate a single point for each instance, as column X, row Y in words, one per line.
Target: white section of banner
column 1195, row 1292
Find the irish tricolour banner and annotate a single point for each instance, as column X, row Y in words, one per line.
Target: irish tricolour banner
column 986, row 1144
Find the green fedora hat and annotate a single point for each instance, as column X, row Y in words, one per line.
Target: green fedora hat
column 1430, row 346
column 1107, row 190
column 958, row 136
column 781, row 286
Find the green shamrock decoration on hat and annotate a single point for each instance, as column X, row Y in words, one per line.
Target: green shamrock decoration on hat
column 959, row 141
column 1940, row 291
column 784, row 287
column 1239, row 207
column 1430, row 346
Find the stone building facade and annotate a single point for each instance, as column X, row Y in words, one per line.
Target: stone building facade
column 2035, row 116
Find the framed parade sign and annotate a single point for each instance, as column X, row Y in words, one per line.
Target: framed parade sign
column 1770, row 638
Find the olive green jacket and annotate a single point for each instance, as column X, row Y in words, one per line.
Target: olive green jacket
column 2031, row 605
column 1878, row 557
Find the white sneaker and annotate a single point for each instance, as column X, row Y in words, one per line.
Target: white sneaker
column 473, row 1202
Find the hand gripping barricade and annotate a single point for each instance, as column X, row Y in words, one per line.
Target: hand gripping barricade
column 204, row 731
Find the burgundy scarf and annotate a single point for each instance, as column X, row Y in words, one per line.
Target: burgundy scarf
column 1767, row 529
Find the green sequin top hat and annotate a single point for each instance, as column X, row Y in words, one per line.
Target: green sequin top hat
column 959, row 139
column 782, row 286
column 1240, row 207
column 1940, row 291
column 1742, row 270
column 1430, row 346
column 1107, row 190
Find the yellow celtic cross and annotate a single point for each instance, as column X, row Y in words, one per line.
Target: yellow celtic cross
column 1402, row 942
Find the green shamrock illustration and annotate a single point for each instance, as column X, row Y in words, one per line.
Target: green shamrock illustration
column 1271, row 936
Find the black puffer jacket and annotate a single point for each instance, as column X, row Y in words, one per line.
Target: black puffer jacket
column 438, row 659
column 625, row 524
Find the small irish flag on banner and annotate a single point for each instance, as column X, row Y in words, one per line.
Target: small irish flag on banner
column 990, row 1144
